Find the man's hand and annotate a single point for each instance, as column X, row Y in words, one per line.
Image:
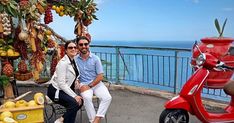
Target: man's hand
column 84, row 88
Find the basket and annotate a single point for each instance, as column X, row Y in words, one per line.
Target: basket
column 10, row 57
column 42, row 80
column 23, row 76
column 27, row 114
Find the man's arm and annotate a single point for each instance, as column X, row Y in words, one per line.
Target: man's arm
column 92, row 84
column 96, row 80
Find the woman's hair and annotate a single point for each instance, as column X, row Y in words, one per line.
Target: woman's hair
column 82, row 38
column 67, row 43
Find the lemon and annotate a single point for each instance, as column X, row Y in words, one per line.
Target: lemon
column 3, row 53
column 32, row 103
column 5, row 114
column 10, row 52
column 16, row 53
column 21, row 103
column 48, row 32
column 61, row 14
column 57, row 10
column 61, row 8
column 9, row 104
column 39, row 98
column 54, row 7
column 9, row 120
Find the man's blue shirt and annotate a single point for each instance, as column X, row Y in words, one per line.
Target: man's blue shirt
column 89, row 68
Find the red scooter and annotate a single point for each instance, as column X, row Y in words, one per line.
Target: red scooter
column 189, row 98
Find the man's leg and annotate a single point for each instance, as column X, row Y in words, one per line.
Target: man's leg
column 101, row 91
column 88, row 103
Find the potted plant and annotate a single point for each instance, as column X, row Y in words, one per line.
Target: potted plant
column 218, row 47
column 7, row 88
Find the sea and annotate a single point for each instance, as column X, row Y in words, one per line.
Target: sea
column 158, row 44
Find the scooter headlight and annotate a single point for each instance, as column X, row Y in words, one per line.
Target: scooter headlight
column 200, row 59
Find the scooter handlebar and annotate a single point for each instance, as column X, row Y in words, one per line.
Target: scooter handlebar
column 222, row 65
column 227, row 67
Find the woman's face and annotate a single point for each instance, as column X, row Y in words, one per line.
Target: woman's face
column 71, row 50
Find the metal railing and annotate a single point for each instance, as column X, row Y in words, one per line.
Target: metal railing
column 156, row 68
column 149, row 67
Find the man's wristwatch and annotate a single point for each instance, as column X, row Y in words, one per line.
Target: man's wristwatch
column 90, row 85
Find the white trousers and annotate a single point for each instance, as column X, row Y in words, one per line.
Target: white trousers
column 101, row 91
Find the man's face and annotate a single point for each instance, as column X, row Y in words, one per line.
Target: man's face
column 83, row 46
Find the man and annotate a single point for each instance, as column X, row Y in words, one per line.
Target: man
column 90, row 81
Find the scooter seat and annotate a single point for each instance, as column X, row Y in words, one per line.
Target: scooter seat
column 229, row 88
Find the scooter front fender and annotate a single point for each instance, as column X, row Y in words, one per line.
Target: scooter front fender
column 178, row 102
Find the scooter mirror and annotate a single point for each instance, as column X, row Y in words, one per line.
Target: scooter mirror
column 231, row 51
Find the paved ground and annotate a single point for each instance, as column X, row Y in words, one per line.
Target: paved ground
column 126, row 106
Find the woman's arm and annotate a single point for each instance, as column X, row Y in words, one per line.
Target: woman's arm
column 61, row 79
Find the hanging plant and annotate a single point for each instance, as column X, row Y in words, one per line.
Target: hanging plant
column 10, row 7
column 83, row 12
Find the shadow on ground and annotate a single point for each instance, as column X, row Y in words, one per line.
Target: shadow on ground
column 126, row 106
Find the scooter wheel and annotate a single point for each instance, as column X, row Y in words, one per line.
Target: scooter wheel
column 174, row 116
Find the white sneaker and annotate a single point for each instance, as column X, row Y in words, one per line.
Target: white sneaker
column 59, row 120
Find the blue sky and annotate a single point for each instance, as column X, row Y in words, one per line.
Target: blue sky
column 154, row 20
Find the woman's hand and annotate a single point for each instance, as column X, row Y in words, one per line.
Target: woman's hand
column 78, row 99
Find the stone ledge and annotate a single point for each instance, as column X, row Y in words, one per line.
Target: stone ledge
column 30, row 83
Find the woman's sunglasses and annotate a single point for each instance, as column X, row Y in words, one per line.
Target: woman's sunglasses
column 82, row 44
column 72, row 47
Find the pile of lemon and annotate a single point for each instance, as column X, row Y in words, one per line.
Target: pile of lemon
column 10, row 52
column 7, row 117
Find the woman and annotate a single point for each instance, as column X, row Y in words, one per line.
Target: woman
column 61, row 89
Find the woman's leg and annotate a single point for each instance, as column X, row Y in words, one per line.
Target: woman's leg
column 68, row 102
column 71, row 107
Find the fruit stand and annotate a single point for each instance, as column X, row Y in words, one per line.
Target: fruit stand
column 26, row 41
column 26, row 38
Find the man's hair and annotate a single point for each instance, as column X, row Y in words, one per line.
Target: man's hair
column 82, row 38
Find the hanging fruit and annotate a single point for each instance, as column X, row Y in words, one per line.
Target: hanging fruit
column 8, row 69
column 22, row 66
column 48, row 15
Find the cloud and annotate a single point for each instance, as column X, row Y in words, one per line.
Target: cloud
column 227, row 9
